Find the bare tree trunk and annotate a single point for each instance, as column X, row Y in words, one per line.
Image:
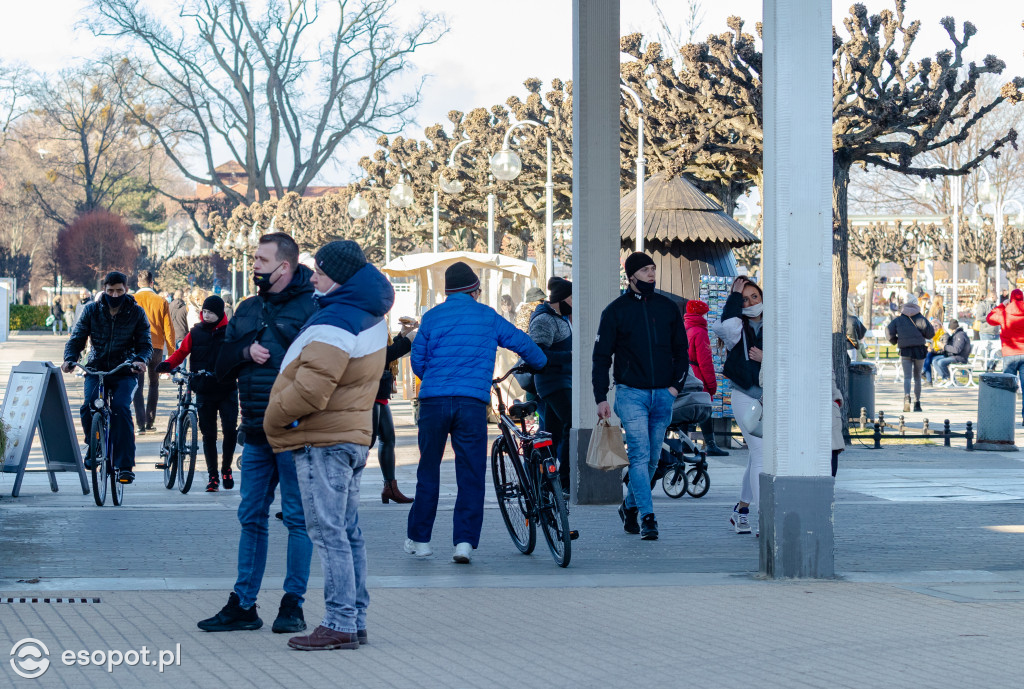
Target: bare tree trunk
column 983, row 281
column 840, row 276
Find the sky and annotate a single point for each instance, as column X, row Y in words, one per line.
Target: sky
column 492, row 47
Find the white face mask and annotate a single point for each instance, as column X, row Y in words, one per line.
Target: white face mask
column 753, row 311
column 318, row 293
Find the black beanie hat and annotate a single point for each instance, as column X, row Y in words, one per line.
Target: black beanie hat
column 214, row 304
column 559, row 289
column 635, row 261
column 459, row 277
column 340, row 260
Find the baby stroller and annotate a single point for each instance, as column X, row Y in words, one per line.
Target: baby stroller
column 678, row 472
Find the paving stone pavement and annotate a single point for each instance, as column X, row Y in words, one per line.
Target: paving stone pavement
column 929, row 547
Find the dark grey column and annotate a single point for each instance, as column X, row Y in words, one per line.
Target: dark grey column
column 595, row 221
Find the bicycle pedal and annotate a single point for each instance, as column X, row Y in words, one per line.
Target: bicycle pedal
column 573, row 535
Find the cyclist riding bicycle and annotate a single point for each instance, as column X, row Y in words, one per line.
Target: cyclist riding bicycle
column 119, row 331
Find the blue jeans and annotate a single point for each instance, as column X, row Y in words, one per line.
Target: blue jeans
column 465, row 420
column 329, row 480
column 942, row 363
column 119, row 391
column 262, row 469
column 1014, row 365
column 928, row 359
column 645, row 416
column 989, row 336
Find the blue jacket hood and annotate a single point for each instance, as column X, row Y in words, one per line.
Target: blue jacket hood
column 356, row 305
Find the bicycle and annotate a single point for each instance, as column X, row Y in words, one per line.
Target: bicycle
column 180, row 445
column 103, row 470
column 526, row 483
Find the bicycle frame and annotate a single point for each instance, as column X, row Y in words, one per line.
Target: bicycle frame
column 520, row 441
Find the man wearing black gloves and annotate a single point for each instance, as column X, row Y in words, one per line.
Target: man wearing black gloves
column 255, row 343
column 551, row 330
column 119, row 331
column 645, row 334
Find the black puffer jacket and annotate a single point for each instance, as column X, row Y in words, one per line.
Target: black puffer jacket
column 398, row 348
column 273, row 320
column 115, row 339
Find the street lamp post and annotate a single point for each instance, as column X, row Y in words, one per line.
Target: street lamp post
column 640, row 163
column 1001, row 205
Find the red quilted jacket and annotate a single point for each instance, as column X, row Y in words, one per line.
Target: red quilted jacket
column 1010, row 319
column 700, row 351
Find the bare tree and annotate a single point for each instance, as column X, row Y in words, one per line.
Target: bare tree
column 264, row 87
column 15, row 81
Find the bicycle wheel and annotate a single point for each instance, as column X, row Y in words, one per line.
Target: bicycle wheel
column 674, row 482
column 169, row 455
column 98, row 452
column 554, row 520
column 116, row 487
column 188, row 444
column 513, row 497
column 698, row 482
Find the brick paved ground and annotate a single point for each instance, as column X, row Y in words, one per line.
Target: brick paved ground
column 929, row 542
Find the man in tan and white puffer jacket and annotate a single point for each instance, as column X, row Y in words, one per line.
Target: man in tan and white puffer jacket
column 321, row 409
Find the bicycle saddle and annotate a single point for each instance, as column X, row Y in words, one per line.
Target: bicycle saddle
column 519, row 410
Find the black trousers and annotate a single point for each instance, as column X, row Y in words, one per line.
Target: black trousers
column 145, row 411
column 558, row 422
column 384, row 433
column 208, row 408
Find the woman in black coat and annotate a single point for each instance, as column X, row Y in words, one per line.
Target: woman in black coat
column 383, row 422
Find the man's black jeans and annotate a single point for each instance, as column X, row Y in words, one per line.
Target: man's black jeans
column 558, row 422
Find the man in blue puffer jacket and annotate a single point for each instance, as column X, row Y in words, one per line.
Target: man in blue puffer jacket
column 453, row 356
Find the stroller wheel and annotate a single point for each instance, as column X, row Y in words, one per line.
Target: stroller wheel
column 697, row 482
column 674, row 482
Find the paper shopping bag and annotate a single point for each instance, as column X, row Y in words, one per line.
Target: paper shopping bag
column 606, row 451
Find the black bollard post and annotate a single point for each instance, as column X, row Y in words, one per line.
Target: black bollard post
column 881, row 419
column 878, row 436
column 945, row 432
column 970, row 436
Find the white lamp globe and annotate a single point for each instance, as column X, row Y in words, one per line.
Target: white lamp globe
column 401, row 195
column 506, row 165
column 925, row 191
column 453, row 185
column 358, row 208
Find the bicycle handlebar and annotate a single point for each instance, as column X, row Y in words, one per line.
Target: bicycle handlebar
column 523, row 368
column 94, row 372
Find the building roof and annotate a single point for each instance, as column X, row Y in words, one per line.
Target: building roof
column 232, row 167
column 675, row 209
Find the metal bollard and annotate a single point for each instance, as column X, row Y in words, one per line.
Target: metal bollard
column 926, row 430
column 863, row 418
column 881, row 419
column 945, row 433
column 997, row 405
column 878, row 436
column 903, row 426
column 970, row 436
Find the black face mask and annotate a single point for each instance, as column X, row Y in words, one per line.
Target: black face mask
column 564, row 308
column 646, row 289
column 263, row 282
column 114, row 302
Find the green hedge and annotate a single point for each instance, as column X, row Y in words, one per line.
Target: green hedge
column 26, row 317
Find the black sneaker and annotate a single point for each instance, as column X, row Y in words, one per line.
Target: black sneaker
column 90, row 464
column 214, row 485
column 228, row 479
column 125, row 476
column 629, row 519
column 649, row 528
column 232, row 618
column 289, row 616
column 917, row 405
column 715, row 451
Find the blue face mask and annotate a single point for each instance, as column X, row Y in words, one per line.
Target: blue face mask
column 317, row 293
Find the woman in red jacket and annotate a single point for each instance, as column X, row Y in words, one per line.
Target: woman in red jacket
column 1010, row 319
column 701, row 363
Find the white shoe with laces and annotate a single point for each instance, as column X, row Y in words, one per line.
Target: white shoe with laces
column 463, row 553
column 418, row 549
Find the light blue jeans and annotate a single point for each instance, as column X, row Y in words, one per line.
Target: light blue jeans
column 261, row 470
column 645, row 416
column 329, row 480
column 1014, row 365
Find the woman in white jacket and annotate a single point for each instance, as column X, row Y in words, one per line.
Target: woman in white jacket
column 740, row 328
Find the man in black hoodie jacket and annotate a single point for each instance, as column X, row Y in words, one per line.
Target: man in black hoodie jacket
column 255, row 343
column 645, row 333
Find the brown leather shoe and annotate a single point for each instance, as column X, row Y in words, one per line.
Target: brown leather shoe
column 324, row 639
column 391, row 492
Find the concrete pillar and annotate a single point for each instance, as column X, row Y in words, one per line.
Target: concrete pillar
column 997, row 409
column 595, row 221
column 797, row 490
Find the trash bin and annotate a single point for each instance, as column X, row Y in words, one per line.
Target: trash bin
column 997, row 409
column 862, row 389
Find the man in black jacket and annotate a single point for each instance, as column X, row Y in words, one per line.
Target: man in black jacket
column 257, row 338
column 119, row 331
column 645, row 333
column 956, row 351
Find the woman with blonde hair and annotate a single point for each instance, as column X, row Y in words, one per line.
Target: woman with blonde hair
column 195, row 301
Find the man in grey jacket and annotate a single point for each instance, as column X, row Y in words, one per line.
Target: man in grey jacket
column 981, row 310
column 956, row 351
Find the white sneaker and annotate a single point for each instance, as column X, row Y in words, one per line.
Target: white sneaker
column 741, row 522
column 418, row 549
column 463, row 551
